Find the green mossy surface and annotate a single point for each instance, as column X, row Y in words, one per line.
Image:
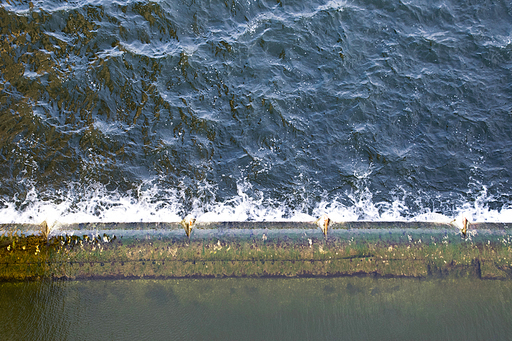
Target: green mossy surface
column 77, row 257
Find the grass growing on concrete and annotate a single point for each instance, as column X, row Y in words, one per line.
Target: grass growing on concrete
column 35, row 257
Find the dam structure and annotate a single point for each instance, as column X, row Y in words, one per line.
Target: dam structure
column 255, row 249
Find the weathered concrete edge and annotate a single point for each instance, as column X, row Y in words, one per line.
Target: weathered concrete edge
column 260, row 253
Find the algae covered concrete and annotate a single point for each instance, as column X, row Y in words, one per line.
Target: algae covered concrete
column 213, row 252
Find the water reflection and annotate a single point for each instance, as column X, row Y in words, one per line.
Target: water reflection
column 247, row 309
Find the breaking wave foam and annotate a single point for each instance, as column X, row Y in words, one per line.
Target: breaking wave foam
column 152, row 204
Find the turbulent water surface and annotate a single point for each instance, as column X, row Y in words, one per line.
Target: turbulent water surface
column 255, row 110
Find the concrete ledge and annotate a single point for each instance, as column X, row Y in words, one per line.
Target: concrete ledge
column 141, row 250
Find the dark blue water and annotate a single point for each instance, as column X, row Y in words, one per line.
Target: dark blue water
column 255, row 110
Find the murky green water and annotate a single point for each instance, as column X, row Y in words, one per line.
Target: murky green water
column 348, row 308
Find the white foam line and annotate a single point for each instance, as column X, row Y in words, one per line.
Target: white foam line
column 152, row 204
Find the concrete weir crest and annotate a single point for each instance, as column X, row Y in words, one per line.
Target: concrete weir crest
column 192, row 248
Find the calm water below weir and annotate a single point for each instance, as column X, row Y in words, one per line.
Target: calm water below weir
column 348, row 308
column 255, row 110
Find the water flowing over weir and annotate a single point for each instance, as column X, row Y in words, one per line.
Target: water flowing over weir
column 255, row 117
column 264, row 169
column 256, row 249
